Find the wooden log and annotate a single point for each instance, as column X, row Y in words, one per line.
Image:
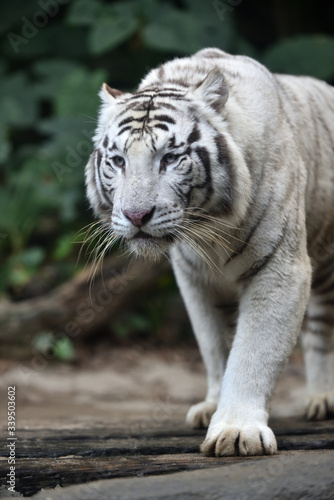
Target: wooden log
column 79, row 307
column 51, row 457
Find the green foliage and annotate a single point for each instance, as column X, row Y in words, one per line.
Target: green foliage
column 22, row 266
column 46, row 344
column 186, row 31
column 56, row 56
column 63, row 349
column 303, row 55
column 126, row 325
column 110, row 30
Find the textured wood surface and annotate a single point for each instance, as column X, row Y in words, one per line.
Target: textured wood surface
column 46, row 458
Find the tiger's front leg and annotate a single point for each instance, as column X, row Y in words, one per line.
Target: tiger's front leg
column 271, row 311
column 212, row 333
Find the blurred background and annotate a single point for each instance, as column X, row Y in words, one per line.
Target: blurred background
column 55, row 56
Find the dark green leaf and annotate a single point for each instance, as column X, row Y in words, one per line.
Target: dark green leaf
column 32, row 257
column 51, row 72
column 5, row 145
column 63, row 349
column 173, row 31
column 110, row 31
column 11, row 14
column 64, row 246
column 303, row 55
column 17, row 101
column 83, row 12
column 78, row 93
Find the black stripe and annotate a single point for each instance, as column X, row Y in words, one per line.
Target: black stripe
column 222, row 148
column 321, row 279
column 328, row 302
column 324, row 319
column 104, row 208
column 142, row 95
column 163, row 167
column 163, row 222
column 164, row 118
column 124, row 129
column 172, row 143
column 230, row 308
column 110, row 188
column 158, row 90
column 161, row 126
column 252, row 230
column 194, row 135
column 261, row 263
column 132, row 106
column 177, row 97
column 204, row 157
column 325, row 288
column 110, row 165
column 98, row 160
column 184, row 197
column 130, row 119
column 105, row 142
column 320, row 350
column 189, row 169
column 224, row 159
column 226, row 202
column 126, row 121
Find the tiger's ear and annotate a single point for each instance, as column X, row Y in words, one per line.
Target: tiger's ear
column 213, row 89
column 108, row 95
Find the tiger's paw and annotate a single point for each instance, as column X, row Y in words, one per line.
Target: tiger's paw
column 320, row 406
column 236, row 440
column 199, row 415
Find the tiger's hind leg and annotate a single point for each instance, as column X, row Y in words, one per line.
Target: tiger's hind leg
column 318, row 344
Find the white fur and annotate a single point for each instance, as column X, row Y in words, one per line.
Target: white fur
column 279, row 132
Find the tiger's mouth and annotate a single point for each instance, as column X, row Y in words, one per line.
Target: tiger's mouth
column 148, row 245
column 142, row 235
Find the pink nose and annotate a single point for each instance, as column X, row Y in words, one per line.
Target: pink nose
column 139, row 218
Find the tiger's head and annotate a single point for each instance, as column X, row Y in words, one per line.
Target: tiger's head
column 163, row 162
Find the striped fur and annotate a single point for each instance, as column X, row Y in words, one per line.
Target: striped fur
column 230, row 169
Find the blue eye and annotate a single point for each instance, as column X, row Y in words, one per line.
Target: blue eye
column 118, row 161
column 169, row 158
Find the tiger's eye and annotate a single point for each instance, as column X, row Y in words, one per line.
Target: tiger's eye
column 119, row 161
column 169, row 157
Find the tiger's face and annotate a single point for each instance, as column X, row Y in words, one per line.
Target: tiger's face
column 157, row 164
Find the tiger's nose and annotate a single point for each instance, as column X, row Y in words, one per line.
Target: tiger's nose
column 139, row 218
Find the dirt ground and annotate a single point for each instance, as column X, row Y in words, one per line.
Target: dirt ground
column 122, row 384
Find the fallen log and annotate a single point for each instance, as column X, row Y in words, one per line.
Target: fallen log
column 80, row 306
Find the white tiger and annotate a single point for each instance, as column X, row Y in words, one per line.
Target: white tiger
column 230, row 169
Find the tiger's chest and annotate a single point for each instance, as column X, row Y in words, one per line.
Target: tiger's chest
column 209, row 266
